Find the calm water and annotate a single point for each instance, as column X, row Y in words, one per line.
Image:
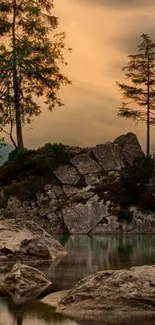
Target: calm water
column 86, row 255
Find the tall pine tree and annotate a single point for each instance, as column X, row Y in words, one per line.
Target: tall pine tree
column 139, row 95
column 30, row 54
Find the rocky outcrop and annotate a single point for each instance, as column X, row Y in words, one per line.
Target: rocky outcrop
column 26, row 245
column 127, row 292
column 25, row 283
column 78, row 201
column 129, row 146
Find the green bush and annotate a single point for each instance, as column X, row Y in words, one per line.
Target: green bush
column 20, row 155
column 27, row 171
column 135, row 179
column 27, row 189
column 140, row 172
column 48, row 158
column 124, row 214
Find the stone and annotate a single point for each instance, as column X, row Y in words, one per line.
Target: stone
column 42, row 199
column 92, row 179
column 47, row 187
column 34, row 248
column 129, row 146
column 112, row 292
column 51, row 194
column 109, row 156
column 70, row 190
column 67, row 175
column 74, row 150
column 23, row 244
column 85, row 164
column 83, row 194
column 82, row 218
column 58, row 191
column 107, row 225
column 25, row 283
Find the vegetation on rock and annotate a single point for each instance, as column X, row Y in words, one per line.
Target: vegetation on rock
column 28, row 171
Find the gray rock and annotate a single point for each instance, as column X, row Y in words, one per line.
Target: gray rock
column 124, row 292
column 92, row 179
column 74, row 150
column 70, row 190
column 55, row 225
column 67, row 175
column 109, row 156
column 107, row 225
column 47, row 187
column 82, row 218
column 83, row 194
column 129, row 146
column 85, row 164
column 58, row 191
column 25, row 283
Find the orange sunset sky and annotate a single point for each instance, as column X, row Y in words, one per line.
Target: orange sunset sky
column 101, row 33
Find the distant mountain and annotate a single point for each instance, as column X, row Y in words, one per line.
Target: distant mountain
column 4, row 153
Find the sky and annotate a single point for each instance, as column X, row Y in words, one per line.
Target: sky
column 101, row 33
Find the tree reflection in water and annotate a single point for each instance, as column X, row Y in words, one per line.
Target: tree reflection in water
column 34, row 312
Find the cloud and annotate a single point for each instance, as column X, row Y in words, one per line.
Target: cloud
column 130, row 4
column 129, row 38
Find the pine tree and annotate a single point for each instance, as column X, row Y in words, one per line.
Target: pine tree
column 30, row 54
column 140, row 71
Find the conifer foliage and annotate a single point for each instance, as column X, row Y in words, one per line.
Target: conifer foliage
column 139, row 94
column 30, row 57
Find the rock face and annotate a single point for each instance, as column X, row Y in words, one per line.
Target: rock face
column 109, row 156
column 25, row 283
column 85, row 164
column 126, row 291
column 67, row 175
column 76, row 201
column 18, row 244
column 129, row 145
column 82, row 218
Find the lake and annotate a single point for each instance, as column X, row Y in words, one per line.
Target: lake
column 86, row 255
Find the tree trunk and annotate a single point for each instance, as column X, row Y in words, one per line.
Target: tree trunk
column 148, row 107
column 16, row 83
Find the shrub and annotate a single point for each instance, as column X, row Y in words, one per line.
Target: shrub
column 140, row 172
column 135, row 179
column 20, row 155
column 27, row 189
column 124, row 214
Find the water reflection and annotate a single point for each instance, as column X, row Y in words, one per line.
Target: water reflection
column 87, row 255
column 35, row 313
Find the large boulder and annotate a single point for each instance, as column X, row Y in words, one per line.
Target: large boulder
column 18, row 244
column 126, row 292
column 129, row 146
column 85, row 164
column 67, row 175
column 82, row 218
column 25, row 283
column 109, row 156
